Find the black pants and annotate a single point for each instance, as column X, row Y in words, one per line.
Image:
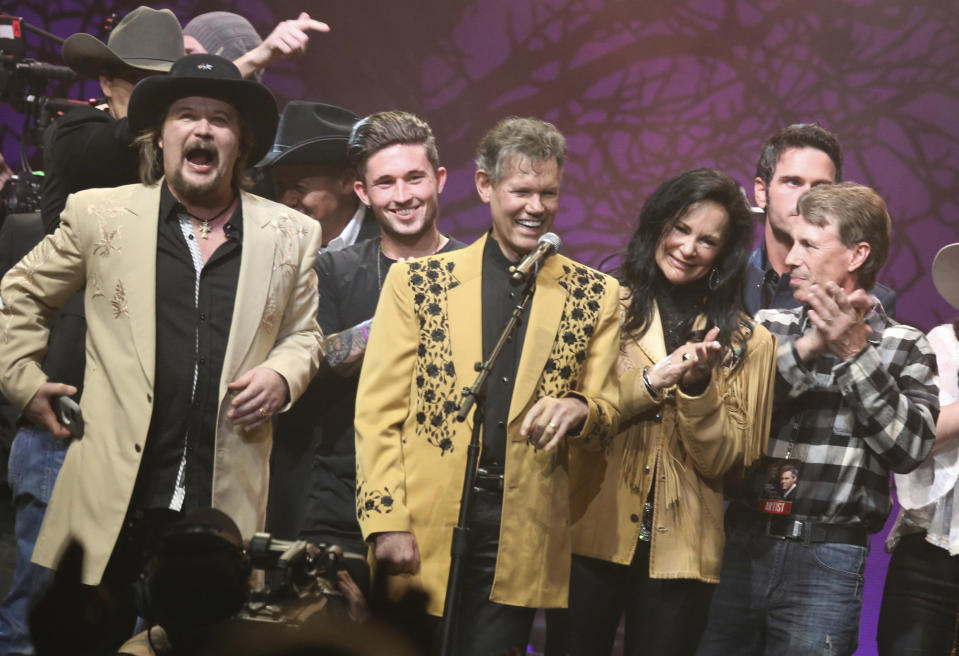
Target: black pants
column 920, row 603
column 662, row 616
column 483, row 627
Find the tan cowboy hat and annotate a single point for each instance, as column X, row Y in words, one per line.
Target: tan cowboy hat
column 945, row 274
column 207, row 76
column 145, row 40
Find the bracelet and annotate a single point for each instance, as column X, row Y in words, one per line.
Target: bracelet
column 652, row 389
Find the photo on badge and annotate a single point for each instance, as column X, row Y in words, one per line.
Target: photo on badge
column 780, row 488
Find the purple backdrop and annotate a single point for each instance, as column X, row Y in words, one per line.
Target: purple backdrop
column 642, row 91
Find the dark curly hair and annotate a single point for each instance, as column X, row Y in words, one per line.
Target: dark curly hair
column 723, row 303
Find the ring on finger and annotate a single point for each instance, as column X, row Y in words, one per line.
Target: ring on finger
column 552, row 426
column 263, row 412
column 686, row 357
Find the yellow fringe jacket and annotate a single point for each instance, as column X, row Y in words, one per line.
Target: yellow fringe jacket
column 688, row 444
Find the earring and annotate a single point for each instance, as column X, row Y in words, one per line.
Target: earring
column 714, row 281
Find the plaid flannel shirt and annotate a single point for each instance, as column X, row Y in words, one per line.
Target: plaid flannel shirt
column 850, row 423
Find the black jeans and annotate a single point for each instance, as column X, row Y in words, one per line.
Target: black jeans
column 920, row 603
column 483, row 627
column 662, row 616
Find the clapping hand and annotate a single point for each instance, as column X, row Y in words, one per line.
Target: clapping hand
column 689, row 364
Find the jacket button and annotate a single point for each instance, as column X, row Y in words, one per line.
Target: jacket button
column 646, row 469
column 634, row 518
column 136, row 447
column 149, row 398
column 659, row 416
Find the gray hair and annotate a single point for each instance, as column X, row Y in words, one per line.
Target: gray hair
column 530, row 137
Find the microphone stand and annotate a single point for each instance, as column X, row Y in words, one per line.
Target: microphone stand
column 473, row 396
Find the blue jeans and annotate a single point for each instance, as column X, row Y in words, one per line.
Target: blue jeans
column 35, row 460
column 784, row 596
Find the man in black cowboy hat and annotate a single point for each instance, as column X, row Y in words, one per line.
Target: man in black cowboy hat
column 88, row 147
column 201, row 302
column 311, row 172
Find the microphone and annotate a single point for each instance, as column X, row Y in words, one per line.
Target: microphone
column 548, row 244
column 51, row 71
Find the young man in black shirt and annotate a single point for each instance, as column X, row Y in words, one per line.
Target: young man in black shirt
column 391, row 151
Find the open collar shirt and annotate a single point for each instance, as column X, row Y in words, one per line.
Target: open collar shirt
column 848, row 423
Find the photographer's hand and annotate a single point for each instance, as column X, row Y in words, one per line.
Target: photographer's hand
column 397, row 552
column 359, row 612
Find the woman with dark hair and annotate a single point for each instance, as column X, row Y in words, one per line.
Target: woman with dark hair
column 696, row 377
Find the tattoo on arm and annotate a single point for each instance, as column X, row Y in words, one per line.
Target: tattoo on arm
column 345, row 350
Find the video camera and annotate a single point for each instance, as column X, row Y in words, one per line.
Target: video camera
column 201, row 574
column 300, row 579
column 22, row 79
column 23, row 84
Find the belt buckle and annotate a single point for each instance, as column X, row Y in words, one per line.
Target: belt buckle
column 795, row 528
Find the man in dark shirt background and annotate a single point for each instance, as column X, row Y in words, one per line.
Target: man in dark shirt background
column 791, row 162
column 394, row 148
column 312, row 174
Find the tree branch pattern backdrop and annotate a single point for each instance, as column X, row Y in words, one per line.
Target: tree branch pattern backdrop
column 642, row 90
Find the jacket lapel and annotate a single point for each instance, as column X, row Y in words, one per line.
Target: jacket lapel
column 465, row 308
column 653, row 343
column 257, row 257
column 137, row 273
column 544, row 323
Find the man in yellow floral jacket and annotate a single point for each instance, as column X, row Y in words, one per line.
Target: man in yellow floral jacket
column 551, row 389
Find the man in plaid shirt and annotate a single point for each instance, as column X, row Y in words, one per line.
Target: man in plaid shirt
column 856, row 397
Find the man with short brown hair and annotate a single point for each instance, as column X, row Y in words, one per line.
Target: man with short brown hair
column 792, row 161
column 855, row 397
column 400, row 186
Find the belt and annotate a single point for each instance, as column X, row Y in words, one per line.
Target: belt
column 801, row 530
column 488, row 480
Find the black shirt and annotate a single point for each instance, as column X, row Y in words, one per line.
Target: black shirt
column 500, row 296
column 192, row 330
column 321, row 422
column 84, row 149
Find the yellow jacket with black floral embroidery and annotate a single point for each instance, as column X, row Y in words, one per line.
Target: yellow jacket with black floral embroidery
column 687, row 444
column 411, row 452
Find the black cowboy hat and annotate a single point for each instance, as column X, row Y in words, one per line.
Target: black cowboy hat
column 145, row 40
column 207, row 76
column 311, row 133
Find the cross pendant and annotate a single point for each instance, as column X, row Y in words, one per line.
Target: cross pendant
column 205, row 229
